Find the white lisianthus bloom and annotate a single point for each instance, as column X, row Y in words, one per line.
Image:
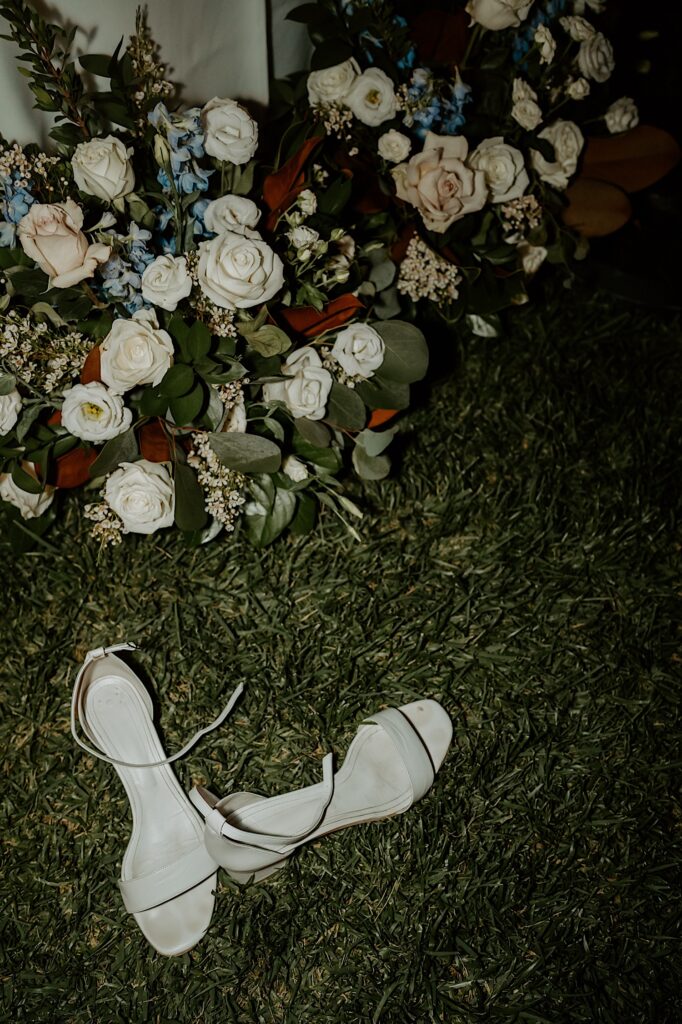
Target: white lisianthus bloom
column 394, row 147
column 567, row 140
column 102, row 167
column 307, row 390
column 578, row 89
column 546, row 44
column 135, row 352
column 372, row 97
column 498, row 14
column 234, row 421
column 332, row 85
column 31, row 506
column 50, row 234
column 230, row 133
column 10, row 406
column 503, row 167
column 237, row 272
column 232, row 213
column 440, row 183
column 578, row 28
column 359, row 349
column 595, row 58
column 622, row 115
column 92, row 413
column 525, row 108
column 532, row 257
column 142, row 494
column 302, row 237
column 166, row 281
column 294, row 469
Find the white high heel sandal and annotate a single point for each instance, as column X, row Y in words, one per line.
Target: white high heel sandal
column 168, row 877
column 390, row 765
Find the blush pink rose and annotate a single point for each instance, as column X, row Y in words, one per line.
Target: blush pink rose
column 439, row 183
column 50, row 234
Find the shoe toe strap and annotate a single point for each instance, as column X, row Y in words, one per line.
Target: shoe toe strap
column 148, row 891
column 411, row 748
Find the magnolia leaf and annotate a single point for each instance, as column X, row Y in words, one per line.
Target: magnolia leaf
column 190, row 509
column 632, row 160
column 122, row 448
column 406, row 358
column 248, row 453
column 596, row 208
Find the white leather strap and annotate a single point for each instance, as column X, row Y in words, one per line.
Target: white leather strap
column 168, row 882
column 78, row 714
column 409, row 745
column 216, row 821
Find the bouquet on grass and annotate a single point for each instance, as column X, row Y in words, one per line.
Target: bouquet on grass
column 463, row 131
column 180, row 333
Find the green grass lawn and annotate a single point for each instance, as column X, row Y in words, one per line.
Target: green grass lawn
column 523, row 568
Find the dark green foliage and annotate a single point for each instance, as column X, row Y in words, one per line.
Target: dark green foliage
column 524, row 570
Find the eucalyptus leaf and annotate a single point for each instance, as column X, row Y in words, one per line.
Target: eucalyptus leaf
column 406, row 357
column 269, row 340
column 345, row 408
column 376, row 441
column 270, row 513
column 306, row 514
column 383, row 394
column 313, row 432
column 190, row 510
column 247, row 453
column 122, row 448
column 370, row 467
column 8, row 383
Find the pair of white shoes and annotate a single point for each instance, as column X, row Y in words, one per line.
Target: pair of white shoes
column 169, row 870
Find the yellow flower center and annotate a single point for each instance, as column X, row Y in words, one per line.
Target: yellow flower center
column 92, row 411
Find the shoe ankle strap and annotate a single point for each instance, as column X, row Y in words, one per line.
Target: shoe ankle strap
column 78, row 713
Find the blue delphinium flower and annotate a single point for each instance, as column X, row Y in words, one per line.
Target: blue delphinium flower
column 185, row 137
column 198, row 210
column 453, row 108
column 122, row 273
column 523, row 39
column 15, row 202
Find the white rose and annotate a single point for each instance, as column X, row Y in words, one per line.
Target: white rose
column 9, row 411
column 578, row 89
column 102, row 168
column 294, row 469
column 359, row 349
column 525, row 108
column 231, row 134
column 237, row 272
column 372, row 97
column 532, row 257
column 498, row 14
column 595, row 57
column 622, row 115
column 301, row 237
column 307, row 202
column 394, row 146
column 503, row 167
column 567, row 140
column 135, row 352
column 232, row 213
column 332, row 85
column 306, row 393
column 30, row 505
column 577, row 28
column 92, row 413
column 50, row 234
column 546, row 44
column 142, row 494
column 166, row 281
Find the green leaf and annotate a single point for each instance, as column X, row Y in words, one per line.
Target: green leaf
column 406, row 358
column 376, row 441
column 27, row 420
column 370, row 467
column 198, row 341
column 269, row 340
column 242, row 182
column 248, row 453
column 96, row 64
column 178, row 380
column 313, row 432
column 119, row 449
column 345, row 408
column 153, row 403
column 383, row 394
column 278, row 507
column 383, row 269
column 326, row 458
column 333, row 200
column 25, row 481
column 190, row 509
column 186, row 408
column 8, row 383
column 306, row 514
column 329, row 53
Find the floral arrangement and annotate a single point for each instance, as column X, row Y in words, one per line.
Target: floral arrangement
column 183, row 335
column 463, row 130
